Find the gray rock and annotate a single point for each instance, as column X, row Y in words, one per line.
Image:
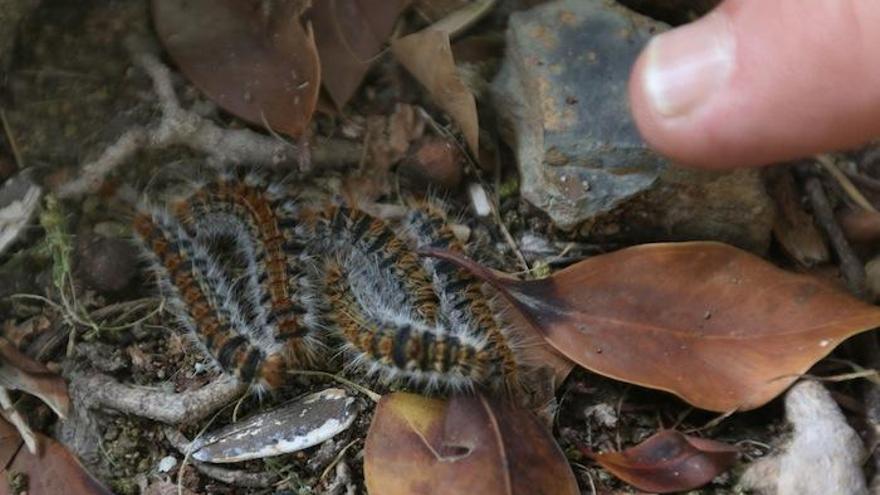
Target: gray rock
column 562, row 99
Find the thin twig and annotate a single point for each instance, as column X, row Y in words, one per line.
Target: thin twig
column 864, row 180
column 850, row 266
column 373, row 396
column 864, row 346
column 848, row 187
column 243, row 479
column 100, row 390
column 10, row 137
column 179, row 126
column 337, row 459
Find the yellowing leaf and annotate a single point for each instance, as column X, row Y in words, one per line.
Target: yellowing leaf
column 465, row 445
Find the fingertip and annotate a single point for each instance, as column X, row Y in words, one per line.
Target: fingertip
column 751, row 84
column 686, row 141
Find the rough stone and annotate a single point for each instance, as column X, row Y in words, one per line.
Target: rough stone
column 561, row 96
column 106, row 264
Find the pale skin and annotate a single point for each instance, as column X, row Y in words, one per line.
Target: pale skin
column 757, row 82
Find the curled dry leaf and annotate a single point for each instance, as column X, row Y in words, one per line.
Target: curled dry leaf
column 715, row 325
column 253, row 58
column 55, row 470
column 669, row 461
column 427, row 55
column 794, row 228
column 19, row 372
column 465, row 445
column 349, row 34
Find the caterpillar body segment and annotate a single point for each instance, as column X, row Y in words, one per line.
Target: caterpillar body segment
column 203, row 301
column 463, row 301
column 398, row 346
column 260, row 219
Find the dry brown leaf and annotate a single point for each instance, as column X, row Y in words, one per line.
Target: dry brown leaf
column 19, row 372
column 55, row 470
column 434, row 10
column 794, row 228
column 349, row 34
column 860, row 225
column 669, row 461
column 253, row 58
column 427, row 55
column 10, row 442
column 387, row 141
column 715, row 325
column 465, row 445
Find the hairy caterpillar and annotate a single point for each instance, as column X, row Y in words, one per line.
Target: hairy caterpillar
column 302, row 280
column 255, row 324
column 203, row 300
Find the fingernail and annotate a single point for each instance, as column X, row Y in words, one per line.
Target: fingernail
column 687, row 65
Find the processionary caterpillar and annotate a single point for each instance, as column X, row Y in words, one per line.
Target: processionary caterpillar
column 266, row 287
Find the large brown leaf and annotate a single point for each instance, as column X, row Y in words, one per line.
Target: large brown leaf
column 465, row 445
column 715, row 325
column 349, row 34
column 669, row 461
column 252, row 57
column 54, row 471
column 10, row 443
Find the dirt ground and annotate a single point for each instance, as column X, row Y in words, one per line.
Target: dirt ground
column 71, row 90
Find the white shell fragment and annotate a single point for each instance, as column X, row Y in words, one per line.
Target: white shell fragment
column 167, row 464
column 824, row 456
column 294, row 426
column 479, row 199
column 19, row 199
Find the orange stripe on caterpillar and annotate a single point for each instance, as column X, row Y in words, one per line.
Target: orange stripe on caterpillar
column 374, row 237
column 397, row 347
column 272, row 268
column 464, row 292
column 183, row 269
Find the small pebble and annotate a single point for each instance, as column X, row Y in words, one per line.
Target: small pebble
column 106, row 264
column 603, row 414
column 436, row 162
column 167, row 464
